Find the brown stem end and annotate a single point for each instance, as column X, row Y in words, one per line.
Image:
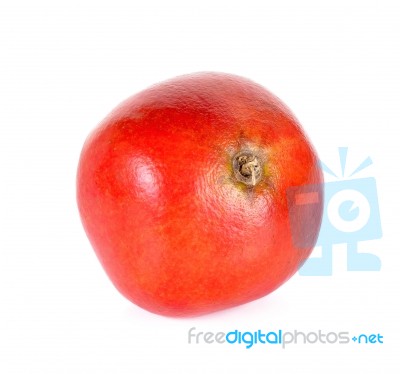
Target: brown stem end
column 247, row 168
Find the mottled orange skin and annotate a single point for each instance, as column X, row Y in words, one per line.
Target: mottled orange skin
column 176, row 233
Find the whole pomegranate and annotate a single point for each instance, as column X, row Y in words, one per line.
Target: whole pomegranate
column 186, row 192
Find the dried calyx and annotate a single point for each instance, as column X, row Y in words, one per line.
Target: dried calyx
column 247, row 168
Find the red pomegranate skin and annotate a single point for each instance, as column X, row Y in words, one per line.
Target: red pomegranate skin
column 174, row 228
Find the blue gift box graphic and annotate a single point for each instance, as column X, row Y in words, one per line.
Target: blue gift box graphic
column 350, row 215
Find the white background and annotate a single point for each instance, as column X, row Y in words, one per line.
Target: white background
column 65, row 65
